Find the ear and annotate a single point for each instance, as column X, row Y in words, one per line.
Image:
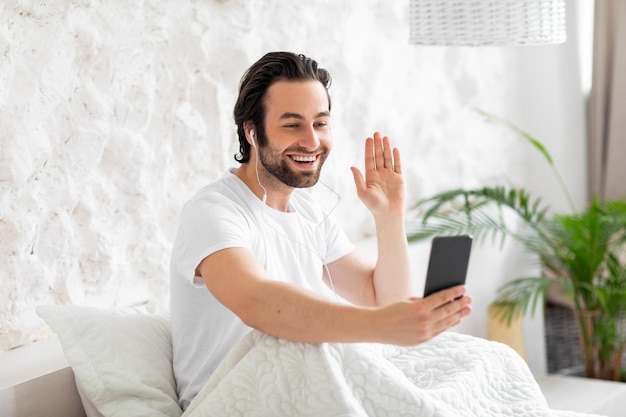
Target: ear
column 250, row 134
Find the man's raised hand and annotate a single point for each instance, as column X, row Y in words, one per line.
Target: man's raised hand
column 383, row 188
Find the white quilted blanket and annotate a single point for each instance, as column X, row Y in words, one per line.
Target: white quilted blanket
column 452, row 375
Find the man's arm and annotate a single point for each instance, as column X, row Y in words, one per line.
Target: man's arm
column 382, row 190
column 237, row 280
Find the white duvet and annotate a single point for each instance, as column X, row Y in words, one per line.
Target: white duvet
column 452, row 375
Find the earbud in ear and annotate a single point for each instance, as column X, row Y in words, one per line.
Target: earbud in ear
column 253, row 140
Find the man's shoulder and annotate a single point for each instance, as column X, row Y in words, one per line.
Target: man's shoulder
column 222, row 196
column 224, row 188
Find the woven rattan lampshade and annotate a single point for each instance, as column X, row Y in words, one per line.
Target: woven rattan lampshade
column 486, row 22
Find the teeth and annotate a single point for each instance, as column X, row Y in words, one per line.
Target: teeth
column 303, row 158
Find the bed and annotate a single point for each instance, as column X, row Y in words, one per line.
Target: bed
column 121, row 360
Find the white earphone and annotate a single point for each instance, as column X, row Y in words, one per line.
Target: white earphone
column 256, row 167
column 253, row 140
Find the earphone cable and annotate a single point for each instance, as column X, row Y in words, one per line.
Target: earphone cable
column 312, row 250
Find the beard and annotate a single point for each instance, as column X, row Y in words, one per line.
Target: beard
column 275, row 165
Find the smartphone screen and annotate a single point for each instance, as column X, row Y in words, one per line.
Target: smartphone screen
column 447, row 266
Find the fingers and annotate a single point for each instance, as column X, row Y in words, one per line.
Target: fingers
column 417, row 320
column 359, row 181
column 383, row 159
column 435, row 314
column 443, row 297
column 380, row 155
column 397, row 163
column 455, row 310
column 449, row 307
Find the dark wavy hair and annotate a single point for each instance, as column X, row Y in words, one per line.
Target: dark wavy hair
column 272, row 67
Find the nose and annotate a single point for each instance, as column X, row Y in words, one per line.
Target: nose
column 310, row 139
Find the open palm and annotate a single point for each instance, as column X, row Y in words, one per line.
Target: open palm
column 382, row 190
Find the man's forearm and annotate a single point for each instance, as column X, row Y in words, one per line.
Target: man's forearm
column 392, row 275
column 290, row 312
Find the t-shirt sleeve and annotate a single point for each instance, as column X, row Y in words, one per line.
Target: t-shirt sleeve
column 205, row 228
column 338, row 244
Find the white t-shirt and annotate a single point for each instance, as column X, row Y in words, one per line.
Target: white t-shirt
column 292, row 247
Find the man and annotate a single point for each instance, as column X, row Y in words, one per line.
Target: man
column 254, row 250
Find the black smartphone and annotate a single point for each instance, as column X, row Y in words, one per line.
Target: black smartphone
column 447, row 266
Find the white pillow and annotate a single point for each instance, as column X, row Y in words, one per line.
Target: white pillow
column 122, row 359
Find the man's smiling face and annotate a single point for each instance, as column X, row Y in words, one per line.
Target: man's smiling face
column 297, row 132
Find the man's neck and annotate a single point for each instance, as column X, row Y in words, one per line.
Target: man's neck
column 276, row 195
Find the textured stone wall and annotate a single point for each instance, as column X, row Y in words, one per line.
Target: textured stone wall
column 112, row 113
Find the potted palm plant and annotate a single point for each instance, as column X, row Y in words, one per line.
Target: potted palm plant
column 583, row 253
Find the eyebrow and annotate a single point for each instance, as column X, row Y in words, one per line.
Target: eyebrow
column 290, row 115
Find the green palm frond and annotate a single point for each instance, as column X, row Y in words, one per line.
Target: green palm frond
column 519, row 296
column 478, row 212
column 479, row 225
column 534, row 142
